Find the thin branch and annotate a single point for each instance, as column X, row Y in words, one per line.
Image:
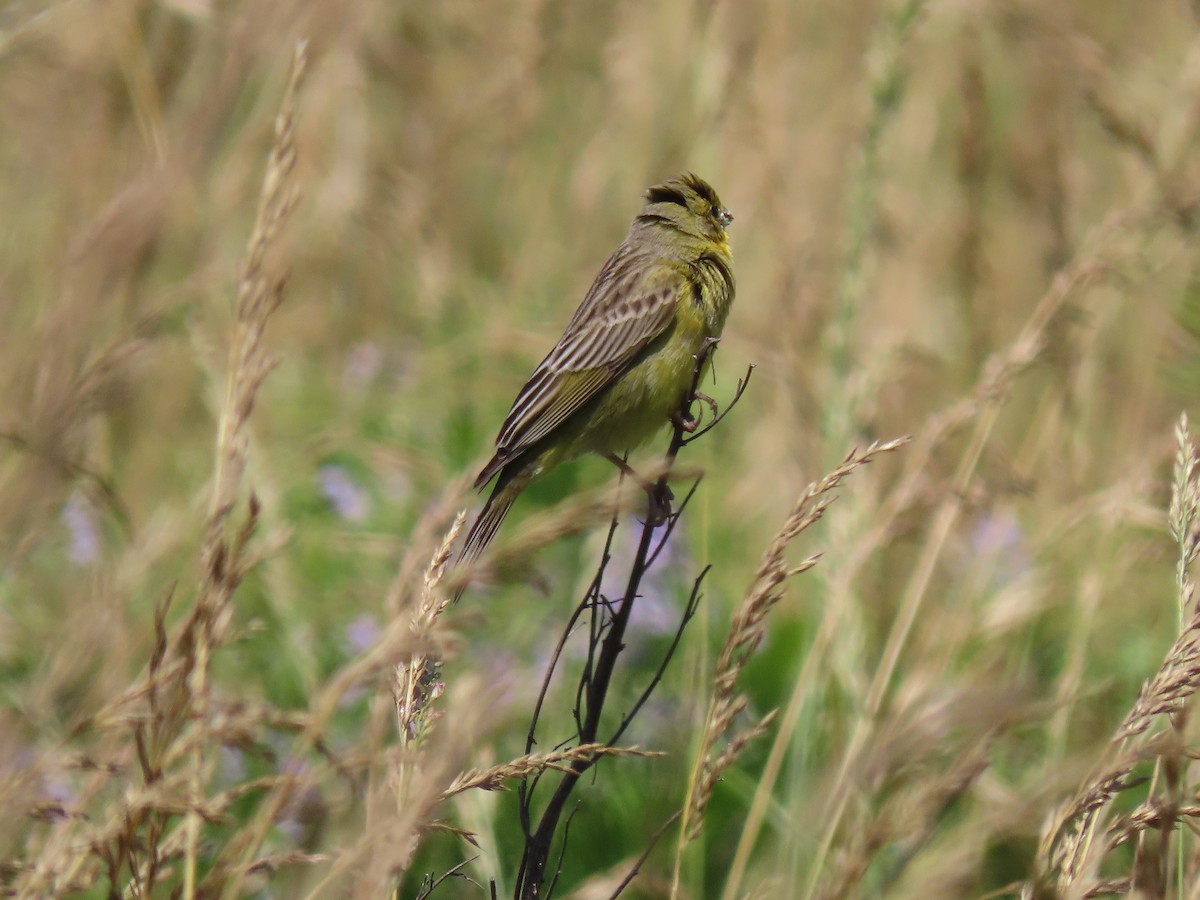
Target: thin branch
column 689, row 612
column 608, row 625
column 641, row 860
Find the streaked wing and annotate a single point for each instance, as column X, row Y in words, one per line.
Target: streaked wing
column 616, row 321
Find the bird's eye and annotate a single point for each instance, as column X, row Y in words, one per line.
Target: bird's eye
column 724, row 217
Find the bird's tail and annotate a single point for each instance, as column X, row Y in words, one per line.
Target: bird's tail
column 488, row 522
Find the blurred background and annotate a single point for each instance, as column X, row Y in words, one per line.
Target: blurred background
column 969, row 221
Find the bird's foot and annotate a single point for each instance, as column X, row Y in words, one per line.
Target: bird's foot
column 688, row 423
column 685, row 421
column 709, row 402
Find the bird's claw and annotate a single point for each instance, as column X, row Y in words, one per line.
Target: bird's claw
column 685, row 421
column 688, row 423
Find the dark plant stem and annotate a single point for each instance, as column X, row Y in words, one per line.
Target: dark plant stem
column 606, row 641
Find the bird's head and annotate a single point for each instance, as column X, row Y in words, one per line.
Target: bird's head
column 690, row 205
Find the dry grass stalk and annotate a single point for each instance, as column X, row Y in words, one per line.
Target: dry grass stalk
column 927, row 786
column 888, row 75
column 493, row 778
column 746, row 633
column 259, row 294
column 401, row 807
column 416, row 683
column 983, row 407
column 1182, row 516
column 1076, row 853
column 999, row 373
column 169, row 714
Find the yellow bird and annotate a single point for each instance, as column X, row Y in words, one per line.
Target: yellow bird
column 626, row 359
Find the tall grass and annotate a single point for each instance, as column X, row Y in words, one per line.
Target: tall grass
column 235, row 434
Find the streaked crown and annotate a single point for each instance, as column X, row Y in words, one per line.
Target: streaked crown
column 688, row 204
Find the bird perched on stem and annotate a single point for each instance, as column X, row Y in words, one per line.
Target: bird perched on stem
column 623, row 365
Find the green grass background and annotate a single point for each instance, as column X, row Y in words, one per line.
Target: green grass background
column 908, row 179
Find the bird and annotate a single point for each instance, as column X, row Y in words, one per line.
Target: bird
column 627, row 357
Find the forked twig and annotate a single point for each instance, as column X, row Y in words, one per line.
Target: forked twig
column 606, row 639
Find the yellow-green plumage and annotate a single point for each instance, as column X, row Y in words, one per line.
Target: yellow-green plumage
column 626, row 359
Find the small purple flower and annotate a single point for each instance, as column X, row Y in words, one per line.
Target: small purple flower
column 362, row 633
column 997, row 536
column 362, row 366
column 348, row 500
column 231, row 768
column 58, row 797
column 80, row 520
column 657, row 611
